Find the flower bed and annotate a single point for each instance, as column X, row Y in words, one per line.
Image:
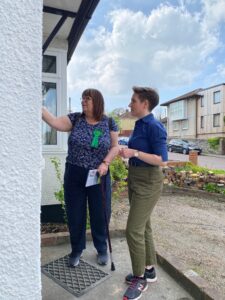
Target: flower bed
column 190, row 176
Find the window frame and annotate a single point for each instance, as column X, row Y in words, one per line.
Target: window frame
column 214, row 100
column 202, row 122
column 57, row 82
column 178, row 110
column 60, row 79
column 187, row 126
column 202, row 101
column 176, row 128
column 214, row 118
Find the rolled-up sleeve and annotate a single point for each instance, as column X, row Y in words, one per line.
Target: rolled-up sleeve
column 158, row 141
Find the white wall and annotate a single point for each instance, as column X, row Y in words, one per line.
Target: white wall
column 20, row 149
column 50, row 184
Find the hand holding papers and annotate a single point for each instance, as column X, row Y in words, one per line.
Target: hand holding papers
column 93, row 178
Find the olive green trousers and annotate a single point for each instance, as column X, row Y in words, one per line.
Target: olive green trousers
column 144, row 189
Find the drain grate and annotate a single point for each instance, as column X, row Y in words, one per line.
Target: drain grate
column 76, row 280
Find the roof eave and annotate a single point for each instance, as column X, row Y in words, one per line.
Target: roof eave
column 183, row 97
column 84, row 15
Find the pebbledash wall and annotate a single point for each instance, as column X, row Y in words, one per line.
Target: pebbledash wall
column 20, row 149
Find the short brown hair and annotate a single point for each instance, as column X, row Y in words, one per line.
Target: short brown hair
column 98, row 102
column 146, row 93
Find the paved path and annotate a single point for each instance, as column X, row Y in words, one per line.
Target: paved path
column 211, row 162
column 113, row 288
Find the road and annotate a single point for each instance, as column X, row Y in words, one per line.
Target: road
column 210, row 162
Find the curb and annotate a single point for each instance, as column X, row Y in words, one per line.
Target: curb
column 213, row 155
column 187, row 278
column 195, row 285
column 171, row 189
column 54, row 239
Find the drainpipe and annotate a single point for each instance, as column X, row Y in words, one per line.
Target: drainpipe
column 167, row 115
column 196, row 118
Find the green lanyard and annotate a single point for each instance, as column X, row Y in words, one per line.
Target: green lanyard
column 95, row 139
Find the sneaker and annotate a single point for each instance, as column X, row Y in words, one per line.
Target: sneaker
column 102, row 258
column 137, row 286
column 150, row 276
column 74, row 259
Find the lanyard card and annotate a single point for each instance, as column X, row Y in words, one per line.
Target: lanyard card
column 93, row 178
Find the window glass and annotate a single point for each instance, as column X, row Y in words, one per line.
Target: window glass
column 202, row 101
column 175, row 126
column 49, row 96
column 178, row 110
column 185, row 124
column 49, row 64
column 216, row 120
column 216, row 97
column 202, row 121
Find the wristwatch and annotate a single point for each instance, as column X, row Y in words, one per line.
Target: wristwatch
column 136, row 153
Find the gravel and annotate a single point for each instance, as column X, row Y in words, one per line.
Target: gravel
column 189, row 228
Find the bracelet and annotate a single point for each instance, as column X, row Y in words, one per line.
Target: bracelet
column 105, row 162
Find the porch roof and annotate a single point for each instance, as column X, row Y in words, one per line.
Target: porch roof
column 66, row 20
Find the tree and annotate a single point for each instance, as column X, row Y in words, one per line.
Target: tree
column 116, row 113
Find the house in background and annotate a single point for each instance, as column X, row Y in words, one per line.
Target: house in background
column 63, row 24
column 127, row 122
column 211, row 112
column 182, row 115
column 164, row 121
column 197, row 115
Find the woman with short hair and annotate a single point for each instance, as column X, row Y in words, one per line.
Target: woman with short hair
column 147, row 152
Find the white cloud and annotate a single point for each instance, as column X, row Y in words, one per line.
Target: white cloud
column 216, row 77
column 167, row 48
column 214, row 12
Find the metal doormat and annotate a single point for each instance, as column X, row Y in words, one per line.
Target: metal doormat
column 77, row 280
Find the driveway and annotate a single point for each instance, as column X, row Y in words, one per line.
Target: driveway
column 211, row 162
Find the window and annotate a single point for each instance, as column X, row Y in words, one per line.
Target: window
column 202, row 122
column 53, row 94
column 178, row 110
column 176, row 126
column 216, row 97
column 216, row 120
column 202, row 101
column 49, row 96
column 185, row 124
column 49, row 64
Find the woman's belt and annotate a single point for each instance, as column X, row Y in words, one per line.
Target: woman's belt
column 140, row 164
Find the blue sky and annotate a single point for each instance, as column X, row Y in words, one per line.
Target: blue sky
column 173, row 46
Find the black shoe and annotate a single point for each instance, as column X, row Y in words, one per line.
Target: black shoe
column 102, row 258
column 137, row 286
column 74, row 259
column 150, row 276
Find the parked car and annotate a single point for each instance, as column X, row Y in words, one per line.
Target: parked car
column 182, row 146
column 123, row 140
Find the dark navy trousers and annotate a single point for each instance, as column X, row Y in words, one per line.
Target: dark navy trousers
column 76, row 197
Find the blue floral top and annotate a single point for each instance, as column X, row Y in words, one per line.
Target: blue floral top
column 80, row 142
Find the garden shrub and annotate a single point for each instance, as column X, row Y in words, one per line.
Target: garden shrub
column 59, row 195
column 197, row 169
column 214, row 188
column 118, row 173
column 214, row 143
